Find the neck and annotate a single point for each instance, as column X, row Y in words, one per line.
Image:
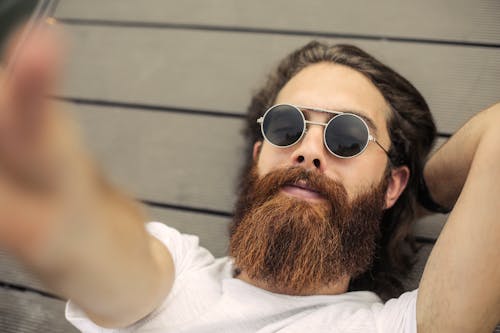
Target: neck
column 338, row 287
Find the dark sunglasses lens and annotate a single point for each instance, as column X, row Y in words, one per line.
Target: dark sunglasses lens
column 283, row 125
column 346, row 135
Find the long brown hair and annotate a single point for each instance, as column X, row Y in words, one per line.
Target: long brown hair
column 412, row 132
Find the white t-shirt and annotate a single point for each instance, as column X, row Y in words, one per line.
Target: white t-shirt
column 206, row 298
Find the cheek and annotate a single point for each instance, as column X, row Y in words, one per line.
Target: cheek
column 358, row 174
column 271, row 158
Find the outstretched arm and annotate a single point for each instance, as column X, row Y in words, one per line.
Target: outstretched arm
column 460, row 287
column 83, row 238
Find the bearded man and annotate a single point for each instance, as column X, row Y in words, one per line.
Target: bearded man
column 320, row 237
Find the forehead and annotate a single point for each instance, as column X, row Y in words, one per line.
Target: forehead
column 337, row 87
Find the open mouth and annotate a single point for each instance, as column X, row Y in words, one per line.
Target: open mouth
column 302, row 190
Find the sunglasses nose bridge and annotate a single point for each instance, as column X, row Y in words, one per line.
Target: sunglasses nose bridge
column 308, row 124
column 310, row 152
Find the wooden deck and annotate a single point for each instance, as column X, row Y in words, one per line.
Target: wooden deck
column 161, row 87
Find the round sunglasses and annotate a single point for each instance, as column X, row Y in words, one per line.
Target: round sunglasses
column 346, row 135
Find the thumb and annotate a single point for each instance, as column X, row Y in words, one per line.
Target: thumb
column 33, row 66
column 34, row 62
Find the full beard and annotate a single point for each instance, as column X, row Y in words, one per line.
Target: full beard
column 298, row 247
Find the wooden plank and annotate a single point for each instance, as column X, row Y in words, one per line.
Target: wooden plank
column 462, row 20
column 212, row 231
column 137, row 148
column 30, row 312
column 13, row 272
column 26, row 312
column 430, row 226
column 157, row 157
column 216, row 241
column 218, row 70
column 188, row 160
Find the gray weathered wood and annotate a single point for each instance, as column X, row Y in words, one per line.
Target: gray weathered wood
column 219, row 70
column 27, row 312
column 145, row 159
column 430, row 227
column 445, row 19
column 157, row 155
column 13, row 272
column 212, row 231
column 189, row 160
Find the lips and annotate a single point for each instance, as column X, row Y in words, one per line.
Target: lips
column 303, row 185
column 303, row 190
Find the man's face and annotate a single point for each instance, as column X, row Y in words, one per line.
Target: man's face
column 339, row 88
column 306, row 219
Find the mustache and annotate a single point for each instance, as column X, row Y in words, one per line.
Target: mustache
column 270, row 184
column 296, row 246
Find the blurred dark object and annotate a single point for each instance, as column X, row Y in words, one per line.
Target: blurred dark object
column 12, row 14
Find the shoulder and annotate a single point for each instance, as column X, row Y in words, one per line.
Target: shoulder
column 397, row 314
column 185, row 249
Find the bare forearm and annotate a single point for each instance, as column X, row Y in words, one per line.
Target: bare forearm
column 101, row 257
column 460, row 288
column 81, row 236
column 446, row 171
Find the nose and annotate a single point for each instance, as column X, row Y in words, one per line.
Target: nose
column 310, row 151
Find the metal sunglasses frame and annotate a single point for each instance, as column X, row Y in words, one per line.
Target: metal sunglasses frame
column 306, row 122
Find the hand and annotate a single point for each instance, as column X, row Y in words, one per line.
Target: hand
column 40, row 158
column 83, row 238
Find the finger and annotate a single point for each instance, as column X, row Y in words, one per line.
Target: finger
column 25, row 113
column 35, row 46
column 34, row 67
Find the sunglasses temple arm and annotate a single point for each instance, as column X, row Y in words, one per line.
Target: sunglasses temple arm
column 385, row 150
